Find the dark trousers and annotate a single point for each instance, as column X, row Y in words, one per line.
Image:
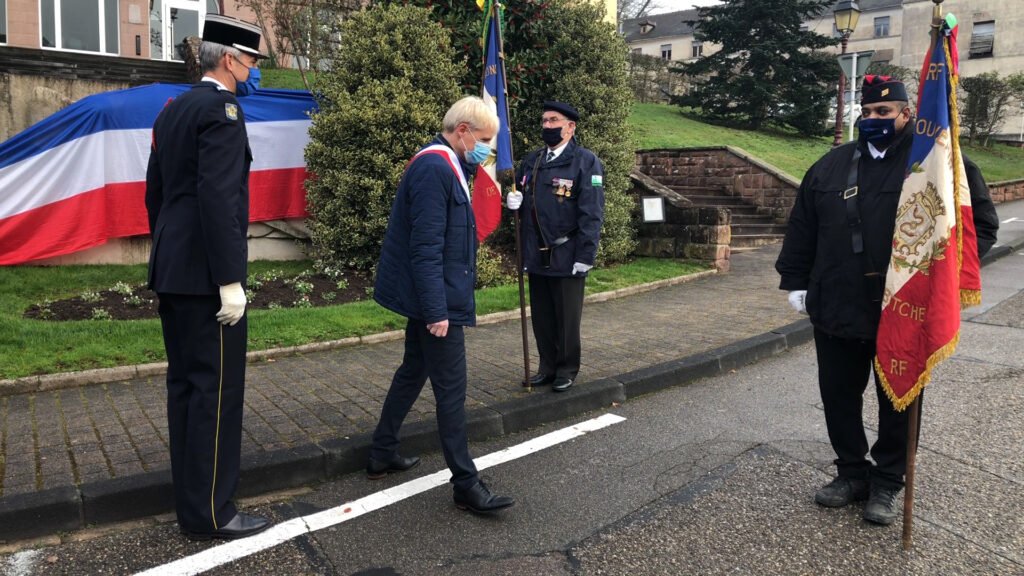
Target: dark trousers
column 443, row 360
column 556, row 310
column 844, row 367
column 205, row 393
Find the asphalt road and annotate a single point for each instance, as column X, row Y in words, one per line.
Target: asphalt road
column 713, row 478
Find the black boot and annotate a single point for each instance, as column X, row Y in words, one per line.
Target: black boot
column 377, row 469
column 842, row 491
column 480, row 500
column 881, row 506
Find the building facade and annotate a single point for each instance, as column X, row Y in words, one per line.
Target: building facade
column 148, row 29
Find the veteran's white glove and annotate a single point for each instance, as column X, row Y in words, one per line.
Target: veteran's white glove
column 798, row 300
column 580, row 268
column 513, row 200
column 232, row 304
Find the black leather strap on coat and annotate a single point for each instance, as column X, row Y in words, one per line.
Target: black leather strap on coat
column 852, row 209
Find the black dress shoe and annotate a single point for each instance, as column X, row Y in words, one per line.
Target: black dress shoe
column 241, row 525
column 377, row 469
column 541, row 379
column 562, row 384
column 480, row 500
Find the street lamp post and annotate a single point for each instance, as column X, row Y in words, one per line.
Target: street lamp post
column 846, row 15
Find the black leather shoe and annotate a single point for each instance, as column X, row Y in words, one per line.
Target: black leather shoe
column 376, row 469
column 241, row 525
column 541, row 379
column 480, row 500
column 842, row 491
column 561, row 384
column 881, row 506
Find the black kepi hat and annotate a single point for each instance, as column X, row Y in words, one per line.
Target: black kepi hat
column 882, row 89
column 233, row 32
column 563, row 109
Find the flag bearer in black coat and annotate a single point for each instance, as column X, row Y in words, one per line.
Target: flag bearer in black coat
column 197, row 197
column 563, row 198
column 833, row 263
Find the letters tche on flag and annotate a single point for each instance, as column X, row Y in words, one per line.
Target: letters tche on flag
column 77, row 178
column 486, row 190
column 934, row 269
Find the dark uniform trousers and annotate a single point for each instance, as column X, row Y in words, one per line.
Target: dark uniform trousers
column 556, row 310
column 205, row 389
column 844, row 367
column 443, row 360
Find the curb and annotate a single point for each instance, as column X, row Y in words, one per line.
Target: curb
column 68, row 508
column 61, row 380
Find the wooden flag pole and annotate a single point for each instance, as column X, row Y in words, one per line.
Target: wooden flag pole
column 913, row 431
column 914, row 422
column 495, row 10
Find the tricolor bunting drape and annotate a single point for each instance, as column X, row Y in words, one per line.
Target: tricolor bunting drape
column 934, row 270
column 486, row 190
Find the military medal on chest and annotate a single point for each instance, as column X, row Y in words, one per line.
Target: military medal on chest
column 562, row 188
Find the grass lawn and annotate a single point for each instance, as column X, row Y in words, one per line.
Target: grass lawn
column 29, row 347
column 663, row 126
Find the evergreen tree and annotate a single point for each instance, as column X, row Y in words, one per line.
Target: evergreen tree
column 767, row 71
column 392, row 79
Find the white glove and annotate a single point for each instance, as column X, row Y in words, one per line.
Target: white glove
column 513, row 200
column 232, row 304
column 797, row 299
column 580, row 268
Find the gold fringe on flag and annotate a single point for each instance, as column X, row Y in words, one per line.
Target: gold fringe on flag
column 969, row 298
column 938, row 356
column 966, row 298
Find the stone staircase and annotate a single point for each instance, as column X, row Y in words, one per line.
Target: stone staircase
column 751, row 227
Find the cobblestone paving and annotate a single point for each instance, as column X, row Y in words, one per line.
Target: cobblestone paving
column 78, row 435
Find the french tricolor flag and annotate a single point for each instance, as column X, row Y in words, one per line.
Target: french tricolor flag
column 78, row 178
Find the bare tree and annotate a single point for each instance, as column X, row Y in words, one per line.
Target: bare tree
column 305, row 30
column 629, row 9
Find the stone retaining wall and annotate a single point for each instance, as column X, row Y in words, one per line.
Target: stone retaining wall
column 726, row 170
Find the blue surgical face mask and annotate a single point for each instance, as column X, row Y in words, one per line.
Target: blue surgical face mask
column 479, row 153
column 249, row 86
column 878, row 131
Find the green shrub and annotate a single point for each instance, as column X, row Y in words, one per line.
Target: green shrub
column 491, row 269
column 390, row 83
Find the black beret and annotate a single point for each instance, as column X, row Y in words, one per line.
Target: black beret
column 233, row 32
column 882, row 89
column 563, row 109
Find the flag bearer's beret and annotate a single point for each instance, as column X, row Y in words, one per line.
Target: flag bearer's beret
column 563, row 109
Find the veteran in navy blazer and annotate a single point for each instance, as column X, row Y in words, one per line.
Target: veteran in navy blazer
column 563, row 197
column 197, row 199
column 426, row 272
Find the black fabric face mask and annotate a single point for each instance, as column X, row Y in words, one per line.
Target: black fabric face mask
column 551, row 136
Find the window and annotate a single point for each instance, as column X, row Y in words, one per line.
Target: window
column 172, row 22
column 698, row 49
column 3, row 21
column 666, row 51
column 638, row 50
column 982, row 39
column 82, row 25
column 881, row 27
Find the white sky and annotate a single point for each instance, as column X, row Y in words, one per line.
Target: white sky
column 663, row 6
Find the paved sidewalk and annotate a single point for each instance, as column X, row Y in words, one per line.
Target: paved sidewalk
column 77, row 456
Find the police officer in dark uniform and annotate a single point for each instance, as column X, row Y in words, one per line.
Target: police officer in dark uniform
column 197, row 197
column 563, row 199
column 833, row 263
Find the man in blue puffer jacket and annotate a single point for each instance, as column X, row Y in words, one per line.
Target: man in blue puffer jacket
column 426, row 273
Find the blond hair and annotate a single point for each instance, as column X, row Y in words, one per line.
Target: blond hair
column 473, row 111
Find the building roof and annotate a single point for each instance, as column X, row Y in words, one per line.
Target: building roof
column 664, row 26
column 867, row 6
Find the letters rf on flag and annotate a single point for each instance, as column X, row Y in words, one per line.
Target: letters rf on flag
column 934, row 269
column 486, row 191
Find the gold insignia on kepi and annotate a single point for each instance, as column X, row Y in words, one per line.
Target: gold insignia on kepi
column 231, row 111
column 885, row 92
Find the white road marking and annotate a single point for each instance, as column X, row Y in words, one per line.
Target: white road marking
column 1008, row 220
column 280, row 533
column 21, row 564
